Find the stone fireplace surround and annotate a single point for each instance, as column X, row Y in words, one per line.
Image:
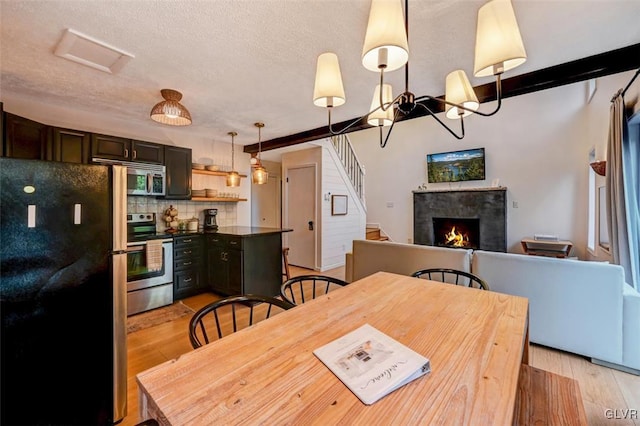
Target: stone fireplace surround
column 487, row 204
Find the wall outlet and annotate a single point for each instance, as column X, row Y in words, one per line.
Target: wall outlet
column 515, row 204
column 390, row 204
column 410, row 240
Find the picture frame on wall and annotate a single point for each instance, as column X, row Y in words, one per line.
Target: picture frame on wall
column 339, row 205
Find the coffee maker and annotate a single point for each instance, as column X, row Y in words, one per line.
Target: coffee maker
column 210, row 219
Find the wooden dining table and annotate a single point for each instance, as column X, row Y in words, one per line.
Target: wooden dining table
column 267, row 374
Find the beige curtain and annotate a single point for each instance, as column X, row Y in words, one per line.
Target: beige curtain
column 616, row 205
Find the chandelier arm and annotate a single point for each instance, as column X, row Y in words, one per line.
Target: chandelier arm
column 462, row 107
column 395, row 117
column 432, row 114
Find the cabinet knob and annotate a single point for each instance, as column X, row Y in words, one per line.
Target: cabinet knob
column 186, row 280
column 186, row 263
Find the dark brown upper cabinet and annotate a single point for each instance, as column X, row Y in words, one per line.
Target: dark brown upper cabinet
column 26, row 138
column 110, row 147
column 124, row 149
column 147, row 152
column 71, row 146
column 178, row 173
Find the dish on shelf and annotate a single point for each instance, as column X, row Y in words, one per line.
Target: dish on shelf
column 213, row 168
column 211, row 193
column 198, row 193
column 197, row 166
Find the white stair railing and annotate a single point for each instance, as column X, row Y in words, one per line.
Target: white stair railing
column 349, row 159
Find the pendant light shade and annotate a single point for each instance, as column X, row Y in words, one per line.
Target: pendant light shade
column 385, row 43
column 328, row 90
column 171, row 111
column 498, row 40
column 379, row 117
column 233, row 178
column 459, row 91
column 259, row 175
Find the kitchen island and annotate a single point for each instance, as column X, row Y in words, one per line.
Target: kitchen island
column 244, row 260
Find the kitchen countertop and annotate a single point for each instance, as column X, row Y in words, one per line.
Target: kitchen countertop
column 243, row 231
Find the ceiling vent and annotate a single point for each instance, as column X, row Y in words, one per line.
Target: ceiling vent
column 85, row 50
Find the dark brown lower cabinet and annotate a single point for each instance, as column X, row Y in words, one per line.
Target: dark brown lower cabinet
column 187, row 265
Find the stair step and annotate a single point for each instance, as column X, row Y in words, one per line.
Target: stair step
column 374, row 234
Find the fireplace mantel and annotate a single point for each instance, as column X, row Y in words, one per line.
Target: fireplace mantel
column 496, row 188
column 487, row 204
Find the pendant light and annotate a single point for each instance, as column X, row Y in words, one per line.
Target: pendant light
column 233, row 178
column 259, row 175
column 171, row 111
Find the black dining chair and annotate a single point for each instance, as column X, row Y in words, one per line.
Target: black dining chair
column 231, row 314
column 452, row 276
column 299, row 289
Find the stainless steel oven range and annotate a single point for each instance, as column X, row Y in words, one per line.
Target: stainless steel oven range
column 149, row 264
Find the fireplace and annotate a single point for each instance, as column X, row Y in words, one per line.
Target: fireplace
column 481, row 213
column 456, row 232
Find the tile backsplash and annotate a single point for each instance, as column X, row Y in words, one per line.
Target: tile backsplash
column 227, row 211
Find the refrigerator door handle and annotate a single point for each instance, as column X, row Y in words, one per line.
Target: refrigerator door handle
column 119, row 336
column 119, row 208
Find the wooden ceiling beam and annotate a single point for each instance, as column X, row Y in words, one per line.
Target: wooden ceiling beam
column 612, row 62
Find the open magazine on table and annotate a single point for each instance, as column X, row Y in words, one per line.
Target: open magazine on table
column 372, row 364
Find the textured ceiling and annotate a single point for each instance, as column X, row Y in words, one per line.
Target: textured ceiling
column 241, row 61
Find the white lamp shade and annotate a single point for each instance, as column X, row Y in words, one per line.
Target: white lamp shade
column 385, row 30
column 459, row 91
column 380, row 117
column 498, row 38
column 260, row 175
column 328, row 90
column 233, row 179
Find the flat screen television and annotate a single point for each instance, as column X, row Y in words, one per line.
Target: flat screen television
column 456, row 166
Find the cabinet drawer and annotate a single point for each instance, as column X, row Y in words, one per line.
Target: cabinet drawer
column 187, row 240
column 186, row 263
column 227, row 241
column 187, row 252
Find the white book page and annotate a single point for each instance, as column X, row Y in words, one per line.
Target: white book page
column 372, row 364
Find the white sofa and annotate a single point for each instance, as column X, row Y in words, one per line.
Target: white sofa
column 577, row 306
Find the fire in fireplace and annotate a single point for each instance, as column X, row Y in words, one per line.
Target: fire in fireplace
column 456, row 232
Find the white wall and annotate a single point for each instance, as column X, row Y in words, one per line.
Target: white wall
column 339, row 231
column 208, row 149
column 537, row 146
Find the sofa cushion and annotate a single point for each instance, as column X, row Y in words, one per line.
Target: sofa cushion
column 370, row 256
column 573, row 305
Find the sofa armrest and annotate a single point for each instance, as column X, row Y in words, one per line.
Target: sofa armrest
column 631, row 328
column 348, row 267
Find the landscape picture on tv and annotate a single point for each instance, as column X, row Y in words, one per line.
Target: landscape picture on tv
column 456, row 166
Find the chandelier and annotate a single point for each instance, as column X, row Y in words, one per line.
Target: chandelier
column 499, row 48
column 259, row 175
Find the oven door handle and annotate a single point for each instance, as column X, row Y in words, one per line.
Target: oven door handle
column 134, row 249
column 149, row 182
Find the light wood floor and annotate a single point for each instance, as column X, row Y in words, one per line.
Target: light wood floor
column 602, row 388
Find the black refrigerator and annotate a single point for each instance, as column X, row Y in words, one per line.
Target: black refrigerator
column 62, row 293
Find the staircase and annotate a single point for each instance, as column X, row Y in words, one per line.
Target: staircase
column 352, row 166
column 375, row 234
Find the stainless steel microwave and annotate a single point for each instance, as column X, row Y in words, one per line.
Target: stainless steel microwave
column 142, row 178
column 146, row 179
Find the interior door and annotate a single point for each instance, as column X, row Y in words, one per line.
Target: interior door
column 301, row 214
